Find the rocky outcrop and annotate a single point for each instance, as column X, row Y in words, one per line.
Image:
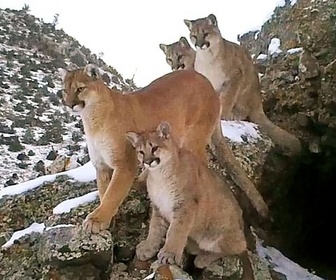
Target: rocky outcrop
column 299, row 95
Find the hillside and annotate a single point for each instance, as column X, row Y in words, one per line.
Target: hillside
column 33, row 121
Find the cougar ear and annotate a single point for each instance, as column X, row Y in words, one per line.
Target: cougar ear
column 92, row 71
column 163, row 47
column 132, row 137
column 188, row 23
column 163, row 130
column 212, row 19
column 62, row 72
column 184, row 42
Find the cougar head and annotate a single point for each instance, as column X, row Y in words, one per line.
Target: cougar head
column 79, row 86
column 179, row 55
column 204, row 32
column 153, row 147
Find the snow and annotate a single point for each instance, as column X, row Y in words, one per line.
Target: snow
column 83, row 173
column 234, row 130
column 67, row 205
column 294, row 50
column 274, row 46
column 262, row 56
column 34, row 227
column 283, row 265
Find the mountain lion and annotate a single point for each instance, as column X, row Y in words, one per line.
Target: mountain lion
column 230, row 69
column 189, row 201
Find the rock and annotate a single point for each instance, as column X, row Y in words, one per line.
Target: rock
column 168, row 272
column 22, row 165
column 62, row 163
column 10, row 182
column 22, row 156
column 39, row 167
column 308, row 65
column 52, row 155
column 71, row 245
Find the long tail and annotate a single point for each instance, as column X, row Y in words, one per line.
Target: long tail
column 236, row 172
column 289, row 144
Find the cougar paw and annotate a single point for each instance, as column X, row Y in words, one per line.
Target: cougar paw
column 145, row 250
column 167, row 257
column 96, row 222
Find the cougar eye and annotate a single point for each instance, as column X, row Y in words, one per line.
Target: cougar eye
column 206, row 34
column 154, row 149
column 80, row 89
column 141, row 153
column 170, row 62
column 179, row 57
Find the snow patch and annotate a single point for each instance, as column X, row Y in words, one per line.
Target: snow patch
column 283, row 265
column 294, row 50
column 262, row 56
column 241, row 131
column 34, row 227
column 83, row 173
column 67, row 205
column 274, row 46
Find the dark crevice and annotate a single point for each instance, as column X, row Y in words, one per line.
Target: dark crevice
column 305, row 212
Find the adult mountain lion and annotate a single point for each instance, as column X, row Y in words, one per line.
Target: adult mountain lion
column 230, row 69
column 189, row 201
column 186, row 99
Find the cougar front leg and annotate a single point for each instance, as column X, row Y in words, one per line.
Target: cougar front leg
column 104, row 174
column 117, row 190
column 177, row 234
column 228, row 95
column 147, row 248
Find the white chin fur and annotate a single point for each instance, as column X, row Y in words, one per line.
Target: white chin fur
column 77, row 109
column 154, row 164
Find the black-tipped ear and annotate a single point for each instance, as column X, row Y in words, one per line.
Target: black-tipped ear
column 212, row 19
column 163, row 130
column 188, row 23
column 163, row 47
column 184, row 42
column 62, row 72
column 92, row 71
column 132, row 137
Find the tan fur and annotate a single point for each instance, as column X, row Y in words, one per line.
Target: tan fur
column 230, row 69
column 189, row 202
column 107, row 115
column 179, row 55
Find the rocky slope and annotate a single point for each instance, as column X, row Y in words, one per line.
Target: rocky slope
column 32, row 120
column 299, row 94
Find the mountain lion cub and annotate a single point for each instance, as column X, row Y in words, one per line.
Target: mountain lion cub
column 189, row 201
column 107, row 115
column 230, row 69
